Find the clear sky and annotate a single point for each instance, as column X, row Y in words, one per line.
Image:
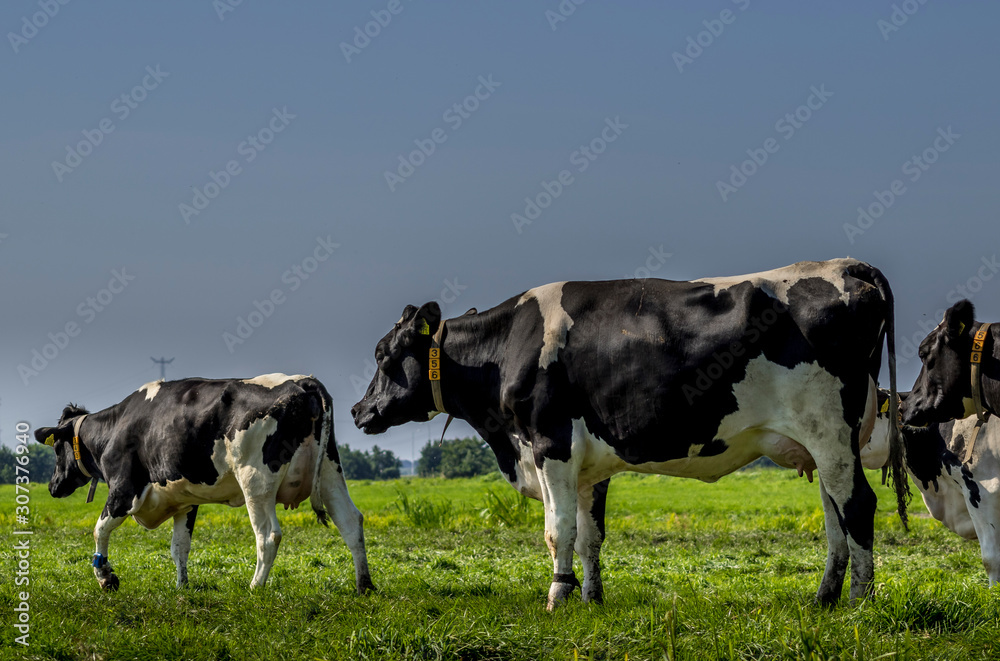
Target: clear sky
column 646, row 110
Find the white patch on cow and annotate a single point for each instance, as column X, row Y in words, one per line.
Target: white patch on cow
column 273, row 380
column 526, row 480
column 794, row 416
column 432, row 414
column 555, row 321
column 776, row 282
column 151, row 389
column 239, row 463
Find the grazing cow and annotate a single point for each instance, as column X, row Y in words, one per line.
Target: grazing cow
column 171, row 446
column 964, row 496
column 572, row 382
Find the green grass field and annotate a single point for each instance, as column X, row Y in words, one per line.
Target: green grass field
column 691, row 571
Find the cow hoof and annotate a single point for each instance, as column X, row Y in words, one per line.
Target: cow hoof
column 558, row 592
column 365, row 586
column 109, row 584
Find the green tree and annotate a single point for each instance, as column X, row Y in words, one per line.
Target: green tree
column 357, row 464
column 385, row 464
column 41, row 463
column 429, row 464
column 377, row 464
column 460, row 457
column 466, row 457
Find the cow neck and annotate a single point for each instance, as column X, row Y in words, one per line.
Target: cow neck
column 467, row 351
column 79, row 450
column 979, row 350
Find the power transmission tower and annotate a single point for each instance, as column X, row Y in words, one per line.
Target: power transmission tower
column 163, row 366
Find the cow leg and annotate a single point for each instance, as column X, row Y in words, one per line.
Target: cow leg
column 264, row 520
column 106, row 576
column 558, row 480
column 837, row 554
column 849, row 508
column 180, row 543
column 590, row 535
column 348, row 519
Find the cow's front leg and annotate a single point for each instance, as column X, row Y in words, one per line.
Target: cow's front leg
column 558, row 480
column 180, row 543
column 102, row 532
column 589, row 537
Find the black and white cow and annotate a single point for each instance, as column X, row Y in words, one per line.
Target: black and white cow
column 572, row 382
column 172, row 446
column 965, row 497
column 944, row 388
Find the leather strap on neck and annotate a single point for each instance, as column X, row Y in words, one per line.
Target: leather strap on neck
column 434, row 374
column 78, row 455
column 982, row 415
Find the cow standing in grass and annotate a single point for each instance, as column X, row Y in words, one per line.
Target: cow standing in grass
column 172, row 446
column 960, row 380
column 573, row 382
column 962, row 495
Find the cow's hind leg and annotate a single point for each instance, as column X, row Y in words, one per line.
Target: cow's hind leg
column 180, row 543
column 589, row 537
column 849, row 508
column 558, row 480
column 347, row 518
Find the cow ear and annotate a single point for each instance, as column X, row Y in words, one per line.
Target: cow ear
column 428, row 318
column 48, row 435
column 959, row 318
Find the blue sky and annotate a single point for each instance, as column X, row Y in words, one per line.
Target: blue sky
column 651, row 198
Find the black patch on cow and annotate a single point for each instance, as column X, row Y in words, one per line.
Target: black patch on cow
column 929, row 452
column 597, row 510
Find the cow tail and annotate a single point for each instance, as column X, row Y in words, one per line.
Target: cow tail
column 897, row 450
column 325, row 436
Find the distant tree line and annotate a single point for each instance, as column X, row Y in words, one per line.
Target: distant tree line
column 41, row 463
column 461, row 457
column 374, row 464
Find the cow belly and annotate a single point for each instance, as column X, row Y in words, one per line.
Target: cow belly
column 297, row 483
column 161, row 502
column 601, row 461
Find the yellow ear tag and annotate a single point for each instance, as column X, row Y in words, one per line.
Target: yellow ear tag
column 961, row 327
column 51, row 440
column 885, row 407
column 423, row 328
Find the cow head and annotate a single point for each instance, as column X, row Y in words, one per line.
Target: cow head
column 66, row 477
column 943, row 390
column 400, row 391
